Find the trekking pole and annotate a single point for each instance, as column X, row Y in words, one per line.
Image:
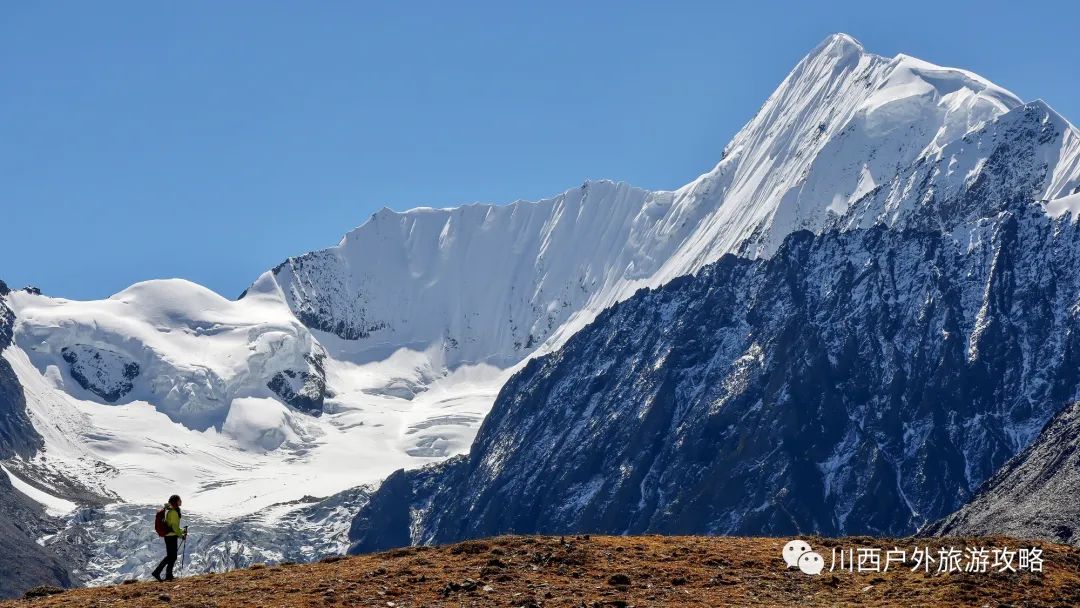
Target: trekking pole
column 183, row 560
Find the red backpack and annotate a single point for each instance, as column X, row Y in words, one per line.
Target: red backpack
column 159, row 523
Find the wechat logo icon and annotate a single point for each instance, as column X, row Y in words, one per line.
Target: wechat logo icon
column 798, row 554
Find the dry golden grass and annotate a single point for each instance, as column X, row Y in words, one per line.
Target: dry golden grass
column 599, row 571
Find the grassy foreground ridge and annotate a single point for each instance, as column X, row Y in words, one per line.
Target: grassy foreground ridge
column 542, row 571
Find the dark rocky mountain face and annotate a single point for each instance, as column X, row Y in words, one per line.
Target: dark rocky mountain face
column 23, row 563
column 17, row 435
column 860, row 381
column 105, row 373
column 304, row 389
column 1035, row 494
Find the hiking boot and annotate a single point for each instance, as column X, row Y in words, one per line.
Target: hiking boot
column 157, row 577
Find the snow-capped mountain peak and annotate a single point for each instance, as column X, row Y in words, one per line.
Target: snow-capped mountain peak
column 843, row 121
column 863, row 375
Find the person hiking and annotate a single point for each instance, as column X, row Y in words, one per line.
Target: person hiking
column 167, row 524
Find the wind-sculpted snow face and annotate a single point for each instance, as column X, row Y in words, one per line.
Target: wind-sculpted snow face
column 1028, row 156
column 480, row 283
column 842, row 123
column 175, row 345
column 910, row 109
column 498, row 283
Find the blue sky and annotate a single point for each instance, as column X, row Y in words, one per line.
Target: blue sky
column 210, row 140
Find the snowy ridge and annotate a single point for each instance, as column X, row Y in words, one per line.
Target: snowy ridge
column 483, row 283
column 842, row 122
column 491, row 283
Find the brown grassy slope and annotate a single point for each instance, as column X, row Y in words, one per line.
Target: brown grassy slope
column 575, row 571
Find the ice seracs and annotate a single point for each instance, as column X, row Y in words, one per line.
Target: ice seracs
column 174, row 344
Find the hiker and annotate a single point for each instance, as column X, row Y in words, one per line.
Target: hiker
column 167, row 524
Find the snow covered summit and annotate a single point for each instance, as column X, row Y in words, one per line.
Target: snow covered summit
column 493, row 283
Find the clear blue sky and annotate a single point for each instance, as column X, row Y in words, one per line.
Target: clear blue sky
column 211, row 140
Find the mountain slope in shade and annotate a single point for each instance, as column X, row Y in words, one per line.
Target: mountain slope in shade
column 17, row 434
column 861, row 380
column 23, row 562
column 1035, row 494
